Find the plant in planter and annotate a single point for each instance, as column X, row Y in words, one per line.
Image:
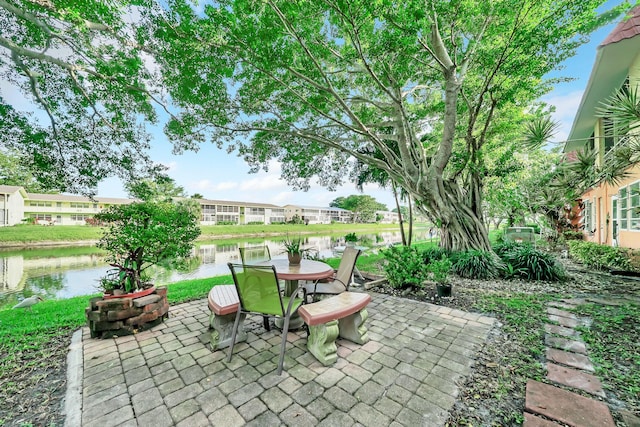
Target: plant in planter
column 440, row 270
column 139, row 235
column 351, row 239
column 143, row 234
column 293, row 249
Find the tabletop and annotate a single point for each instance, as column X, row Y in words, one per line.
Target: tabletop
column 306, row 270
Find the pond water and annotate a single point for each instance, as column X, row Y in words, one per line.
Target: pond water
column 67, row 272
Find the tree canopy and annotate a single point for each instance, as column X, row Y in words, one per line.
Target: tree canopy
column 418, row 90
column 86, row 71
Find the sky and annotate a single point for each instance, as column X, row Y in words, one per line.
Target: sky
column 221, row 176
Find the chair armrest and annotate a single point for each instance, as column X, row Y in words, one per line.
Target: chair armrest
column 293, row 296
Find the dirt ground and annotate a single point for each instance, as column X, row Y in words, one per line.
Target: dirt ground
column 35, row 398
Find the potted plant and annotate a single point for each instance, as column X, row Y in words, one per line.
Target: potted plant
column 139, row 235
column 351, row 239
column 440, row 272
column 293, row 249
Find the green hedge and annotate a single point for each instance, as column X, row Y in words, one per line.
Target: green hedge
column 601, row 257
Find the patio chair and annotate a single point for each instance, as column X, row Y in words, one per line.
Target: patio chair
column 259, row 293
column 254, row 255
column 342, row 280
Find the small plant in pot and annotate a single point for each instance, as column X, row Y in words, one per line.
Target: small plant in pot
column 143, row 234
column 351, row 239
column 293, row 249
column 440, row 270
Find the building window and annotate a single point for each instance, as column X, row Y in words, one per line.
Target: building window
column 41, row 217
column 79, row 217
column 587, row 215
column 40, row 204
column 79, row 205
column 629, row 202
column 634, row 206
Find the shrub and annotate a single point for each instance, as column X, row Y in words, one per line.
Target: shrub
column 476, row 264
column 598, row 256
column 508, row 246
column 255, row 223
column 572, row 235
column 440, row 269
column 532, row 264
column 433, row 253
column 405, row 267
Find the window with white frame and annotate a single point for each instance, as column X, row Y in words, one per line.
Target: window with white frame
column 634, row 206
column 587, row 214
column 629, row 202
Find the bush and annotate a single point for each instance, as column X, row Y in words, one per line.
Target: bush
column 531, row 264
column 405, row 267
column 226, row 223
column 508, row 246
column 255, row 223
column 440, row 269
column 572, row 235
column 600, row 257
column 476, row 264
column 433, row 253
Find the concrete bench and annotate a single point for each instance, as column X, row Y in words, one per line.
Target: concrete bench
column 341, row 315
column 223, row 303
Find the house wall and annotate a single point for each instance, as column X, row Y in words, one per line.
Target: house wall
column 12, row 206
column 599, row 203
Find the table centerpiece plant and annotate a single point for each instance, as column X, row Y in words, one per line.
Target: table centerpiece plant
column 293, row 249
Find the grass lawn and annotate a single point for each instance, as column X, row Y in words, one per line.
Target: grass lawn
column 25, row 234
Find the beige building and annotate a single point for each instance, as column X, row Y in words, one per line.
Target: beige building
column 318, row 215
column 224, row 211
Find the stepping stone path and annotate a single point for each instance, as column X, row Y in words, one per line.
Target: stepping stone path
column 568, row 365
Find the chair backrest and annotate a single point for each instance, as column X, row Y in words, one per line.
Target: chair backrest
column 347, row 264
column 255, row 254
column 257, row 288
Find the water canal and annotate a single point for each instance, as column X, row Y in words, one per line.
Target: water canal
column 71, row 271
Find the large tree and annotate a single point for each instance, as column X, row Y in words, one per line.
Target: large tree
column 319, row 85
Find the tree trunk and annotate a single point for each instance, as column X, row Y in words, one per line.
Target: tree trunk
column 410, row 239
column 400, row 220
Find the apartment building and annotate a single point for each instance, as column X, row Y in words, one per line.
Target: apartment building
column 224, row 211
column 610, row 212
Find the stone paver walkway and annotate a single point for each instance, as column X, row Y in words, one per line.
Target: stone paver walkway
column 567, row 365
column 408, row 374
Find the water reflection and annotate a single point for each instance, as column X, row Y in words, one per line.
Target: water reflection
column 67, row 272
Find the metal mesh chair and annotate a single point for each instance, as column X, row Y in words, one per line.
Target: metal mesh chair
column 250, row 255
column 342, row 279
column 259, row 293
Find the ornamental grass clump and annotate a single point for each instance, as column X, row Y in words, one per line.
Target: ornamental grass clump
column 526, row 262
column 474, row 264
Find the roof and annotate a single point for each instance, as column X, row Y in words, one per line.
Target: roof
column 229, row 203
column 614, row 57
column 326, row 208
column 9, row 189
column 72, row 198
column 628, row 28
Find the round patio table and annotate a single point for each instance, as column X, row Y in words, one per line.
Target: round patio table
column 291, row 274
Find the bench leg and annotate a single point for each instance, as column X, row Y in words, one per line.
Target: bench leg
column 222, row 328
column 322, row 342
column 352, row 327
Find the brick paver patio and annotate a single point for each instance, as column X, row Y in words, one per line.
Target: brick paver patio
column 407, row 374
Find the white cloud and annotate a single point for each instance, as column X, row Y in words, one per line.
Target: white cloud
column 263, row 182
column 206, row 185
column 566, row 109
